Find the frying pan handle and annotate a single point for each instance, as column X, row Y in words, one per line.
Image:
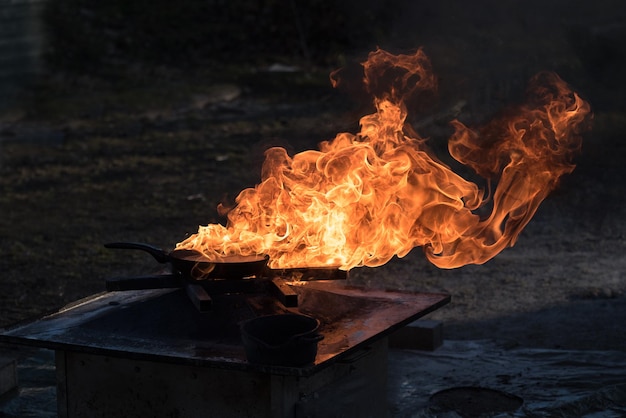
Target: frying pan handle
column 158, row 254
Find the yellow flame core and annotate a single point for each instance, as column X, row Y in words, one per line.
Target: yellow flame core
column 364, row 198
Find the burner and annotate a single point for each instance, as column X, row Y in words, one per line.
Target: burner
column 202, row 292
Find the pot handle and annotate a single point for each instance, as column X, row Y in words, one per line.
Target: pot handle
column 312, row 338
column 159, row 255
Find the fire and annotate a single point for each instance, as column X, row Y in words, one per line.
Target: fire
column 363, row 198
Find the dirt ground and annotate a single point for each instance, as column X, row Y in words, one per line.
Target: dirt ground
column 148, row 155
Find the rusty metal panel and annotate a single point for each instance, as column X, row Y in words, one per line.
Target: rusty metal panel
column 104, row 386
column 360, row 390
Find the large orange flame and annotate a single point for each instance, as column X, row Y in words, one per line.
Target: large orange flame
column 361, row 199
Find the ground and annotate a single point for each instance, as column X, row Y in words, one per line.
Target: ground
column 148, row 154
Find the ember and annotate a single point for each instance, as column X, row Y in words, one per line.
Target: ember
column 365, row 197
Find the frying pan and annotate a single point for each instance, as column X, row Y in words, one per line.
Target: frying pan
column 196, row 266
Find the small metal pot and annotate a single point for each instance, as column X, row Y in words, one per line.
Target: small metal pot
column 281, row 340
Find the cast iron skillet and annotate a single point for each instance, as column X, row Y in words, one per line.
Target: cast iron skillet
column 195, row 266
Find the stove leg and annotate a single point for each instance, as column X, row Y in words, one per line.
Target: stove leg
column 200, row 298
column 8, row 375
column 287, row 296
column 61, row 374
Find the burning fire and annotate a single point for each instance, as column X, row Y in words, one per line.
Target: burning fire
column 365, row 197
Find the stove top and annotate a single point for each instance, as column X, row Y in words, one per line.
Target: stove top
column 161, row 324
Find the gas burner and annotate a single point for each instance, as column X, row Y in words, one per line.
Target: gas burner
column 202, row 292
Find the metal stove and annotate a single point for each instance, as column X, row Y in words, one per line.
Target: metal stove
column 153, row 353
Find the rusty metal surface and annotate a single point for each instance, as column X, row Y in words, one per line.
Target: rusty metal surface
column 162, row 325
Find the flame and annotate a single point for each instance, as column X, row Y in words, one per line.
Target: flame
column 363, row 198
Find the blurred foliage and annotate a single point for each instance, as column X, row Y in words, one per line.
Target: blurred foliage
column 87, row 35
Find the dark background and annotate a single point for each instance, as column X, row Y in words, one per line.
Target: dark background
column 140, row 117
